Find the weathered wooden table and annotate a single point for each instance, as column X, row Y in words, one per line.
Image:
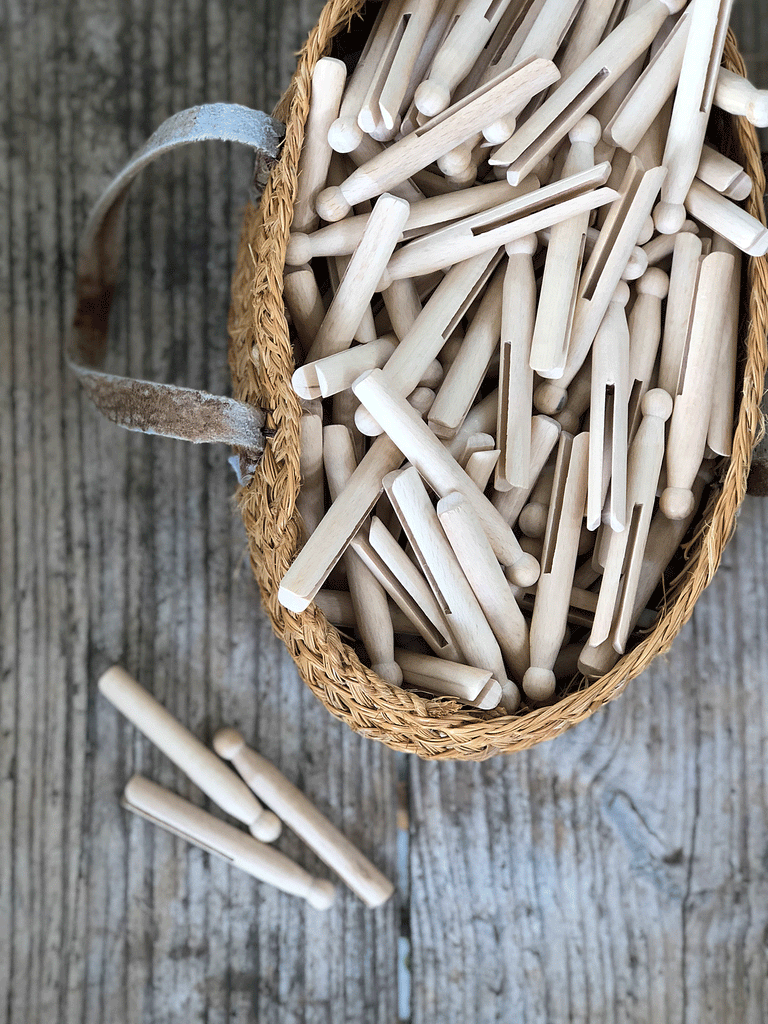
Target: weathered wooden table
column 617, row 874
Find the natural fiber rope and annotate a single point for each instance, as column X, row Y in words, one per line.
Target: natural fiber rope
column 261, row 362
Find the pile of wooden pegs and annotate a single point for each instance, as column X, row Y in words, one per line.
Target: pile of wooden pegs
column 517, row 329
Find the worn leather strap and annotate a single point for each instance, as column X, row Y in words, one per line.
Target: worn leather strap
column 145, row 405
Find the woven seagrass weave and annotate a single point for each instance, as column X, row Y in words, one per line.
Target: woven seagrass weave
column 261, row 362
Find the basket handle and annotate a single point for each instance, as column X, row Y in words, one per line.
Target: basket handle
column 147, row 406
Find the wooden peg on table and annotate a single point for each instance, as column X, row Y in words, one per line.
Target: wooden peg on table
column 490, row 586
column 644, row 339
column 544, row 435
column 369, row 599
column 419, row 445
column 720, row 433
column 690, row 418
column 192, row 823
column 562, row 270
column 328, row 80
column 625, row 550
column 188, row 753
column 422, row 527
column 691, row 109
column 683, row 278
column 608, row 417
column 422, row 147
column 353, row 296
column 474, row 686
column 461, row 47
column 301, row 815
column 552, row 602
column 737, row 95
column 518, row 317
column 574, row 97
column 725, row 218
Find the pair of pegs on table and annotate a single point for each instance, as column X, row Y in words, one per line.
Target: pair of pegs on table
column 238, row 796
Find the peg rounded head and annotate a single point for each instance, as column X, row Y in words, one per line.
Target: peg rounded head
column 654, row 282
column 657, row 403
column 455, row 160
column 228, row 743
column 431, row 98
column 499, row 131
column 533, row 520
column 267, row 827
column 587, row 129
column 345, row 135
column 298, row 250
column 321, row 894
column 674, row 6
column 526, row 245
column 621, row 295
column 331, row 204
column 669, row 218
column 510, row 696
column 464, row 178
column 676, row 502
column 550, row 398
column 365, row 422
column 390, row 672
column 539, row 683
column 569, row 421
column 636, row 265
column 525, row 571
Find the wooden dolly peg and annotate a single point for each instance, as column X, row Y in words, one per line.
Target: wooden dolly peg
column 579, row 396
column 490, row 586
column 589, row 27
column 427, row 144
column 577, row 94
column 481, row 419
column 532, row 520
column 625, row 550
column 723, row 175
column 720, row 433
column 725, row 218
column 683, row 279
column 552, row 602
column 644, row 339
column 518, row 316
column 562, row 270
column 474, row 686
column 325, row 377
column 662, row 246
column 305, row 304
column 356, row 289
column 544, row 435
column 465, row 617
column 690, row 419
column 310, row 501
column 457, row 53
column 736, row 95
column 481, row 465
column 608, row 417
column 188, row 753
column 301, row 815
column 419, row 445
column 196, row 826
column 690, row 112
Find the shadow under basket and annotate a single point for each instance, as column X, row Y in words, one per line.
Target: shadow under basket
column 261, row 359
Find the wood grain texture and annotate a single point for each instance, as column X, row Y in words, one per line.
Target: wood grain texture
column 618, row 874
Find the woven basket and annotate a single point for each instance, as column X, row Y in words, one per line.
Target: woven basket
column 261, row 362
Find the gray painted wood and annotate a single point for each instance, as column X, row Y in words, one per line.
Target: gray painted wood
column 617, row 874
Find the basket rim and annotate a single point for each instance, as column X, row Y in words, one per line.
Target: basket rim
column 261, row 363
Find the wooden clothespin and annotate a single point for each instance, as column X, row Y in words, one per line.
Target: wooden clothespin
column 551, row 606
column 458, row 52
column 683, row 280
column 608, row 416
column 420, row 446
column 736, row 95
column 481, row 419
column 579, row 395
column 305, row 305
column 465, row 618
column 325, row 377
column 727, row 219
column 690, row 418
column 662, row 246
column 490, row 586
column 625, row 551
column 425, row 145
column 310, row 501
column 196, row 826
column 473, row 686
column 723, row 175
column 188, row 753
column 562, row 270
column 545, row 128
column 336, row 605
column 532, row 521
column 690, row 112
column 544, row 435
column 720, row 433
column 518, row 315
column 590, row 26
column 644, row 339
column 301, row 815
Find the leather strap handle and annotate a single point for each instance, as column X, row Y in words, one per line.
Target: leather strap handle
column 145, row 405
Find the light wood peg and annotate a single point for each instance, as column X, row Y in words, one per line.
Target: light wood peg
column 723, row 175
column 449, row 679
column 737, row 95
column 690, row 419
column 579, row 396
column 425, row 145
column 192, row 823
column 310, row 500
column 328, row 78
column 301, row 815
column 544, row 435
column 720, row 433
column 662, row 246
column 644, row 339
column 684, row 275
column 305, row 304
column 725, row 218
column 187, row 752
column 532, row 520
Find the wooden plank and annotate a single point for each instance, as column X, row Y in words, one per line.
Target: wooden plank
column 117, row 547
